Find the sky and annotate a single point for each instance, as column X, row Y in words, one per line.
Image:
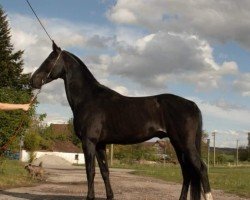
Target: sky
column 199, row 50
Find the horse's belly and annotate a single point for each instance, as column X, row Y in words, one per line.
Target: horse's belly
column 134, row 134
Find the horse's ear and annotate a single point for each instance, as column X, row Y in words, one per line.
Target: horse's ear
column 55, row 47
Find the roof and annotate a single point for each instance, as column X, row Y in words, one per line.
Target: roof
column 63, row 146
column 61, row 128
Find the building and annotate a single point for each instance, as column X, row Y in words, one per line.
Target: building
column 64, row 149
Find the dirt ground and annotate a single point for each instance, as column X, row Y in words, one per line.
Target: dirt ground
column 70, row 183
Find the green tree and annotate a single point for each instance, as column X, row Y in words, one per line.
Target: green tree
column 32, row 141
column 39, row 128
column 136, row 152
column 14, row 85
column 244, row 153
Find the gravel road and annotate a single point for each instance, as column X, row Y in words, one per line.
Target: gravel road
column 69, row 183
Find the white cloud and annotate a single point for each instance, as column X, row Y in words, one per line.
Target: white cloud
column 137, row 12
column 142, row 42
column 223, row 118
column 223, row 104
column 242, row 84
column 28, row 35
column 160, row 58
column 229, row 138
column 123, row 16
column 53, row 93
column 241, row 116
column 223, row 114
column 221, row 20
column 200, row 22
column 55, row 118
column 21, row 38
column 152, row 60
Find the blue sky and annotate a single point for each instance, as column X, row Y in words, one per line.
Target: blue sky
column 200, row 51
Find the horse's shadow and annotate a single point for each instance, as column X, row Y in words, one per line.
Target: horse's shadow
column 44, row 197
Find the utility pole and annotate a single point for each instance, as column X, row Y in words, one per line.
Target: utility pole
column 214, row 147
column 208, row 153
column 248, row 147
column 248, row 140
column 111, row 154
column 237, row 152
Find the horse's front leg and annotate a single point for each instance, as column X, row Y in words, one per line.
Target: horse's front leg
column 103, row 165
column 89, row 149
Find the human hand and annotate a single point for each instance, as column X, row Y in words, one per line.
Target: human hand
column 25, row 107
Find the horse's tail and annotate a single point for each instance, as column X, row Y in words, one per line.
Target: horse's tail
column 195, row 192
column 199, row 133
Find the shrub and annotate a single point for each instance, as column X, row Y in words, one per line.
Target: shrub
column 32, row 141
column 32, row 157
column 130, row 153
column 244, row 154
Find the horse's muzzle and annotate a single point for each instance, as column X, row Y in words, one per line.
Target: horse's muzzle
column 35, row 83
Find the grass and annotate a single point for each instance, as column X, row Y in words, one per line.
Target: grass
column 234, row 180
column 13, row 174
column 231, row 179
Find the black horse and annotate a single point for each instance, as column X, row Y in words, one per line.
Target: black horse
column 103, row 116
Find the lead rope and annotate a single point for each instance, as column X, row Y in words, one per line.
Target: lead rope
column 38, row 92
column 19, row 127
column 39, row 20
column 4, row 147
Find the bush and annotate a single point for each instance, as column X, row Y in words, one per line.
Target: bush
column 221, row 158
column 130, row 153
column 46, row 144
column 244, row 154
column 2, row 164
column 32, row 141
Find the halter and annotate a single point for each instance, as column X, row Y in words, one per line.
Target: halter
column 44, row 80
column 52, row 67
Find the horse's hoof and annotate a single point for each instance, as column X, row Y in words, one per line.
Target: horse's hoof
column 110, row 197
column 90, row 198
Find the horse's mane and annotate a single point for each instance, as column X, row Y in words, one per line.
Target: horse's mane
column 76, row 58
column 82, row 64
column 90, row 75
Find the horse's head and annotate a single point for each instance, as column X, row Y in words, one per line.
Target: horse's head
column 51, row 69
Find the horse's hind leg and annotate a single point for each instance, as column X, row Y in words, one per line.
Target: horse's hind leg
column 185, row 173
column 200, row 171
column 186, row 181
column 103, row 165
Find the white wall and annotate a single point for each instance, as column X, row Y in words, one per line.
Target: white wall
column 70, row 157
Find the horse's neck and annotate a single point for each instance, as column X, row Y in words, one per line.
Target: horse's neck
column 79, row 84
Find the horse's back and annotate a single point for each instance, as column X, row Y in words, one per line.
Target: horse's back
column 176, row 105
